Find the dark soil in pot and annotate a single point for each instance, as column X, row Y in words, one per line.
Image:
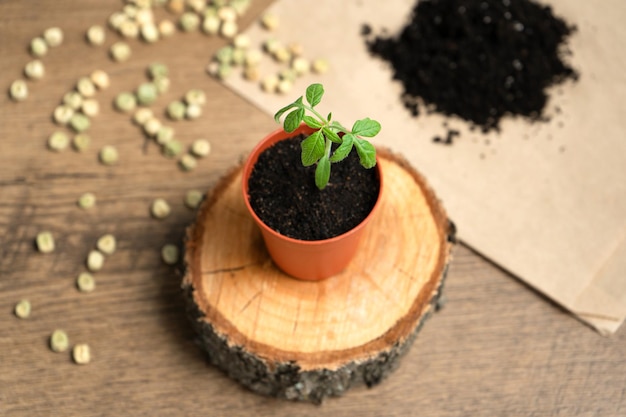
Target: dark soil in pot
column 284, row 196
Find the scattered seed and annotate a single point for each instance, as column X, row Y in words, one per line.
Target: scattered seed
column 162, row 84
column 100, row 79
column 22, row 309
column 160, row 209
column 229, row 29
column 253, row 57
column 144, row 16
column 201, row 148
column 53, row 36
column 152, row 127
column 196, row 5
column 300, row 65
column 96, row 35
column 85, row 282
column 241, row 41
column 252, row 73
column 176, row 110
column 270, row 83
column 59, row 342
column 240, row 6
column 58, row 141
column 63, row 114
column 109, row 155
column 18, row 90
column 189, row 21
column 213, row 68
column 227, row 14
column 320, row 66
column 86, row 87
column 211, row 25
column 269, row 21
column 81, row 142
column 34, row 70
column 288, row 74
column 73, row 100
column 146, row 94
column 130, row 10
column 164, row 135
column 224, row 55
column 193, row 111
column 38, row 47
column 87, row 201
column 79, row 122
column 157, row 69
column 195, row 96
column 166, row 28
column 296, row 49
column 95, row 260
column 172, row 148
column 120, row 51
column 193, row 198
column 176, row 6
column 284, row 86
column 282, row 54
column 116, row 19
column 142, row 115
column 187, row 162
column 125, row 102
column 90, row 107
column 239, row 56
column 129, row 29
column 106, row 244
column 81, row 354
column 170, row 254
column 149, row 32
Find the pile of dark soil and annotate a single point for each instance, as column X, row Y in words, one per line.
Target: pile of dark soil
column 480, row 60
column 283, row 193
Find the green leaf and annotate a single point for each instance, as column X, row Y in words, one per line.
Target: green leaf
column 366, row 151
column 293, row 120
column 366, row 127
column 312, row 122
column 344, row 149
column 331, row 135
column 322, row 172
column 313, row 148
column 314, row 94
column 297, row 103
column 330, row 116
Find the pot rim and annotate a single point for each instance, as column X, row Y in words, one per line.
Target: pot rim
column 251, row 160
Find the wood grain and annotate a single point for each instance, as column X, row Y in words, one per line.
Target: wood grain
column 496, row 349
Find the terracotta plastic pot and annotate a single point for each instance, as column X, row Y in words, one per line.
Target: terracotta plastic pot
column 310, row 260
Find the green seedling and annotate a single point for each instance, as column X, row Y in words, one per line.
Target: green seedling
column 318, row 147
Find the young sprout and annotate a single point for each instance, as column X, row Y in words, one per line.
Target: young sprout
column 318, row 147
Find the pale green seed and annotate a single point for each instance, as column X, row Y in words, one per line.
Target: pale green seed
column 79, row 122
column 81, row 142
column 125, row 102
column 120, row 51
column 253, row 57
column 73, row 100
column 116, row 19
column 270, row 21
column 164, row 135
column 96, row 35
column 300, row 65
column 87, row 201
column 152, row 127
column 18, row 90
column 22, row 309
column 53, row 36
column 170, row 254
column 149, row 32
column 176, row 110
column 224, row 55
column 173, row 148
column 241, row 41
column 58, row 141
column 34, row 69
column 81, row 353
column 284, row 86
column 59, row 342
column 160, row 209
column 193, row 111
column 240, row 6
column 45, row 242
column 211, row 24
column 187, row 162
column 193, row 198
column 288, row 74
column 162, row 84
column 195, row 96
column 90, row 107
column 271, row 45
column 109, row 155
column 200, row 147
column 129, row 29
column 224, row 71
column 196, row 5
column 282, row 54
column 142, row 115
column 229, row 29
column 63, row 114
column 85, row 282
column 189, row 21
column 320, row 66
column 270, row 83
column 239, row 56
column 107, row 244
column 85, row 87
column 95, row 260
column 157, row 69
column 147, row 94
column 38, row 47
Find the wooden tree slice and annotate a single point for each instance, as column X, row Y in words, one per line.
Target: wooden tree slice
column 308, row 340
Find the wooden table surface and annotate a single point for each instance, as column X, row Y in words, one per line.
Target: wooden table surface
column 497, row 348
